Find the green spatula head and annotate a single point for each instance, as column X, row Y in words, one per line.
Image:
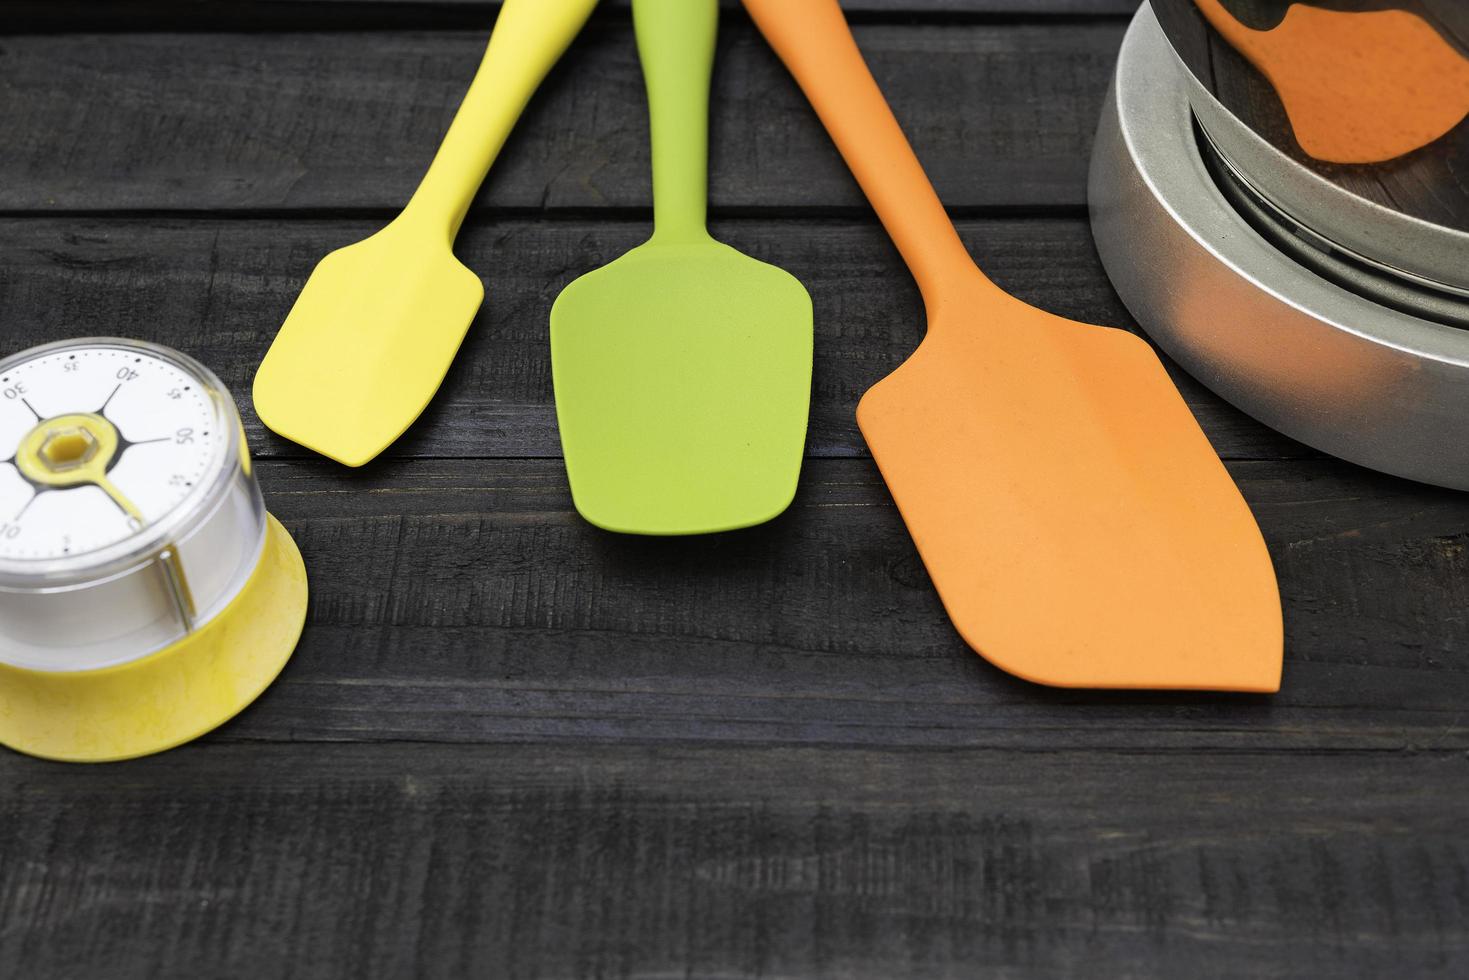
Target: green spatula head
column 683, row 379
column 682, row 369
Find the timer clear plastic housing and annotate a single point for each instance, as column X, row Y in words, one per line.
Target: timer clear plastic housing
column 129, row 514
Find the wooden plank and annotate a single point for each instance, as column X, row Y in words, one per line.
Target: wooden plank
column 267, row 15
column 512, row 745
column 591, row 861
column 220, row 289
column 1003, row 115
column 465, row 601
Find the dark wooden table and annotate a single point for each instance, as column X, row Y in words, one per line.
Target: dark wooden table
column 511, row 745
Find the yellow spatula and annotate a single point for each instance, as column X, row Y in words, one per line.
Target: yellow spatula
column 374, row 331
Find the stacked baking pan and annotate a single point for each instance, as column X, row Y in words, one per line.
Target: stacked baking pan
column 1280, row 194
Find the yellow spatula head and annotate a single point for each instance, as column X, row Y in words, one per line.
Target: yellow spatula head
column 683, row 381
column 367, row 343
column 1080, row 530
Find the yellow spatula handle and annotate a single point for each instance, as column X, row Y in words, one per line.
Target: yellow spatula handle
column 528, row 38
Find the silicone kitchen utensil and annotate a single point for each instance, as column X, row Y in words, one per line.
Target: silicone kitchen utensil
column 145, row 594
column 683, row 368
column 374, row 331
column 1358, row 86
column 1078, row 527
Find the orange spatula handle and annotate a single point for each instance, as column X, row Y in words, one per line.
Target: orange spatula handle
column 814, row 41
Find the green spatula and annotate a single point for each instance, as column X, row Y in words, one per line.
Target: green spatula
column 683, row 368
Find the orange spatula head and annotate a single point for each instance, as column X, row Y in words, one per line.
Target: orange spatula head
column 1078, row 526
column 1072, row 515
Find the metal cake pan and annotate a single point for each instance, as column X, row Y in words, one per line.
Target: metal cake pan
column 1305, row 354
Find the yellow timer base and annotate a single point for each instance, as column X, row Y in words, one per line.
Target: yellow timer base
column 171, row 696
column 146, row 596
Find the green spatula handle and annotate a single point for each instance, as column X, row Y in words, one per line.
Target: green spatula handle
column 528, row 38
column 676, row 46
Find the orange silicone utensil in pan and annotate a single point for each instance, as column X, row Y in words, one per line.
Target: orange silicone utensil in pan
column 1358, row 86
column 1077, row 524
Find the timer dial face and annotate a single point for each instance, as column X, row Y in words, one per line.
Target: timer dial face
column 169, row 440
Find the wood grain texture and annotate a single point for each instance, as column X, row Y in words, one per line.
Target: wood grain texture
column 350, row 120
column 647, row 862
column 511, row 745
column 220, row 289
column 258, row 15
column 464, row 600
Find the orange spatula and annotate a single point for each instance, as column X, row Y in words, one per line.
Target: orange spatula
column 1080, row 530
column 1358, row 87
